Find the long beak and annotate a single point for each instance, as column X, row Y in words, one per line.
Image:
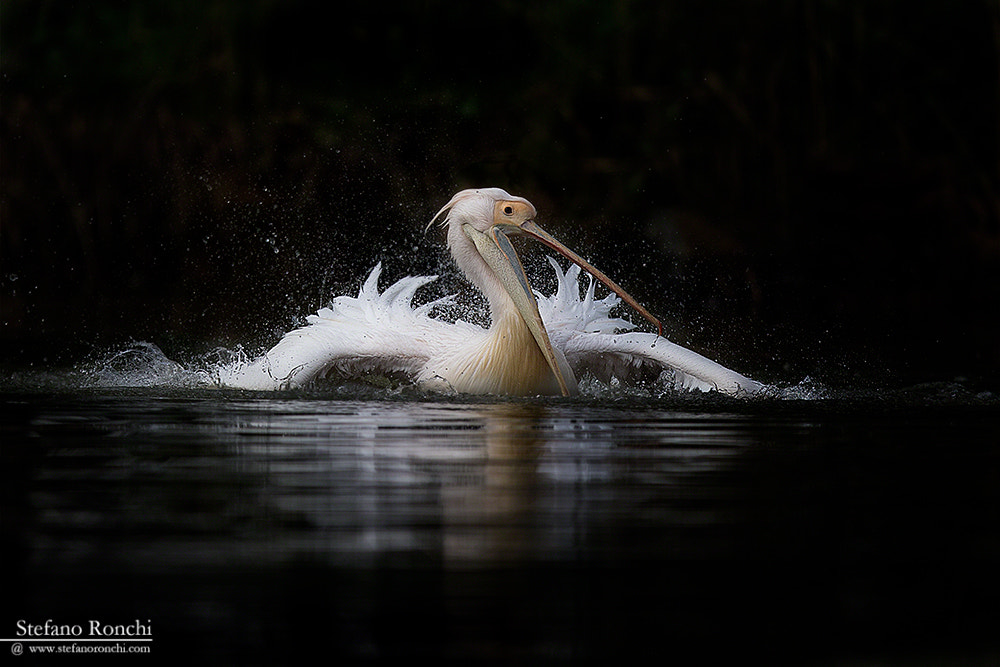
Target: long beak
column 530, row 229
column 498, row 252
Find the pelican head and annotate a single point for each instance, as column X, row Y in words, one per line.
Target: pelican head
column 479, row 222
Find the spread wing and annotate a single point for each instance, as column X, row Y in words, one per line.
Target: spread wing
column 627, row 355
column 373, row 333
column 381, row 332
column 595, row 342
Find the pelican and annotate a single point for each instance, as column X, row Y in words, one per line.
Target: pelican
column 535, row 345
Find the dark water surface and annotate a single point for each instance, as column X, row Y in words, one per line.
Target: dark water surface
column 260, row 528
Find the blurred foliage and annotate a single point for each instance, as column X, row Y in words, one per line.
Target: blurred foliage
column 812, row 187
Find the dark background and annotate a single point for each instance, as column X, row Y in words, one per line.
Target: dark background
column 797, row 188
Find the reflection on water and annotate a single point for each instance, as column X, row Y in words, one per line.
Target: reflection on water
column 355, row 482
column 550, row 529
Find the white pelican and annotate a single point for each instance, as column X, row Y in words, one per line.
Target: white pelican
column 533, row 346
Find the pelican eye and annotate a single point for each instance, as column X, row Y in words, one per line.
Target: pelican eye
column 508, row 210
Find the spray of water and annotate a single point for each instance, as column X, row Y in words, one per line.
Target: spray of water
column 143, row 366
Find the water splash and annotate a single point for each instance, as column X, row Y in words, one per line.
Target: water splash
column 143, row 365
column 809, row 389
column 140, row 364
column 135, row 365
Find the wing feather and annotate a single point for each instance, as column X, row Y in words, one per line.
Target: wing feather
column 597, row 343
column 626, row 355
column 371, row 333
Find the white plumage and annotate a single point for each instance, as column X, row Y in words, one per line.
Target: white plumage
column 383, row 333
